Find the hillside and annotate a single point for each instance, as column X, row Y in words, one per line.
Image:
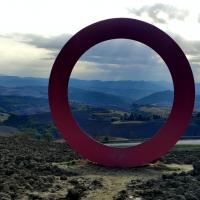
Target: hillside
column 98, row 106
column 16, row 81
column 98, row 122
column 127, row 89
column 75, row 94
column 32, row 91
column 23, row 104
column 97, row 98
column 164, row 98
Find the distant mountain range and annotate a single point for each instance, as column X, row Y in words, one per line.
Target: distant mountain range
column 16, row 81
column 130, row 90
column 119, row 94
column 37, row 87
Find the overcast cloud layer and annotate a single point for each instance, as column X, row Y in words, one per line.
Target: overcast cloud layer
column 30, row 54
column 161, row 13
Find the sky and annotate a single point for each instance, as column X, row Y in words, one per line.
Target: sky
column 32, row 34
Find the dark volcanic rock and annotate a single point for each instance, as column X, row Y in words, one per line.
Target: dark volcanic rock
column 122, row 195
column 74, row 194
column 181, row 157
column 176, row 186
column 196, row 168
column 26, row 165
column 82, row 186
column 4, row 196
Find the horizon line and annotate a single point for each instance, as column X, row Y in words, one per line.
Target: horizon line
column 21, row 76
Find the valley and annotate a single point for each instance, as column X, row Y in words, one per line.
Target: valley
column 99, row 107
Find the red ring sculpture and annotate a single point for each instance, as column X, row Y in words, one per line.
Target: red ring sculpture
column 184, row 92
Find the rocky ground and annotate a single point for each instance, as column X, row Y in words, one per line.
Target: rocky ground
column 31, row 169
column 175, row 186
column 180, row 185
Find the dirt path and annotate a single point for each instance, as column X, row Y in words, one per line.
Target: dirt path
column 112, row 185
column 115, row 179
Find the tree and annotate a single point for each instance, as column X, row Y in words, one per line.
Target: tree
column 126, row 117
column 48, row 137
column 105, row 139
column 156, row 117
column 131, row 117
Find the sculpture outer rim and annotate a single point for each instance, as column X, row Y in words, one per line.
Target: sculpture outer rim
column 184, row 92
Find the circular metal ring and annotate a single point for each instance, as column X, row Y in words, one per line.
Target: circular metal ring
column 178, row 66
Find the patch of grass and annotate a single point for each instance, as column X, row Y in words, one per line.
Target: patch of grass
column 187, row 147
column 67, row 164
column 163, row 111
column 3, row 116
column 129, row 122
column 161, row 166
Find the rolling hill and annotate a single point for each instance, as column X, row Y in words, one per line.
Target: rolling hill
column 97, row 98
column 164, row 98
column 23, row 105
column 32, row 91
column 16, row 81
column 36, row 103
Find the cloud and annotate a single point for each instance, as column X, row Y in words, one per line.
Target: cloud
column 53, row 44
column 22, row 59
column 39, row 41
column 161, row 13
column 86, row 70
column 96, row 71
column 190, row 47
column 112, row 52
column 123, row 59
column 120, row 52
column 110, row 60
